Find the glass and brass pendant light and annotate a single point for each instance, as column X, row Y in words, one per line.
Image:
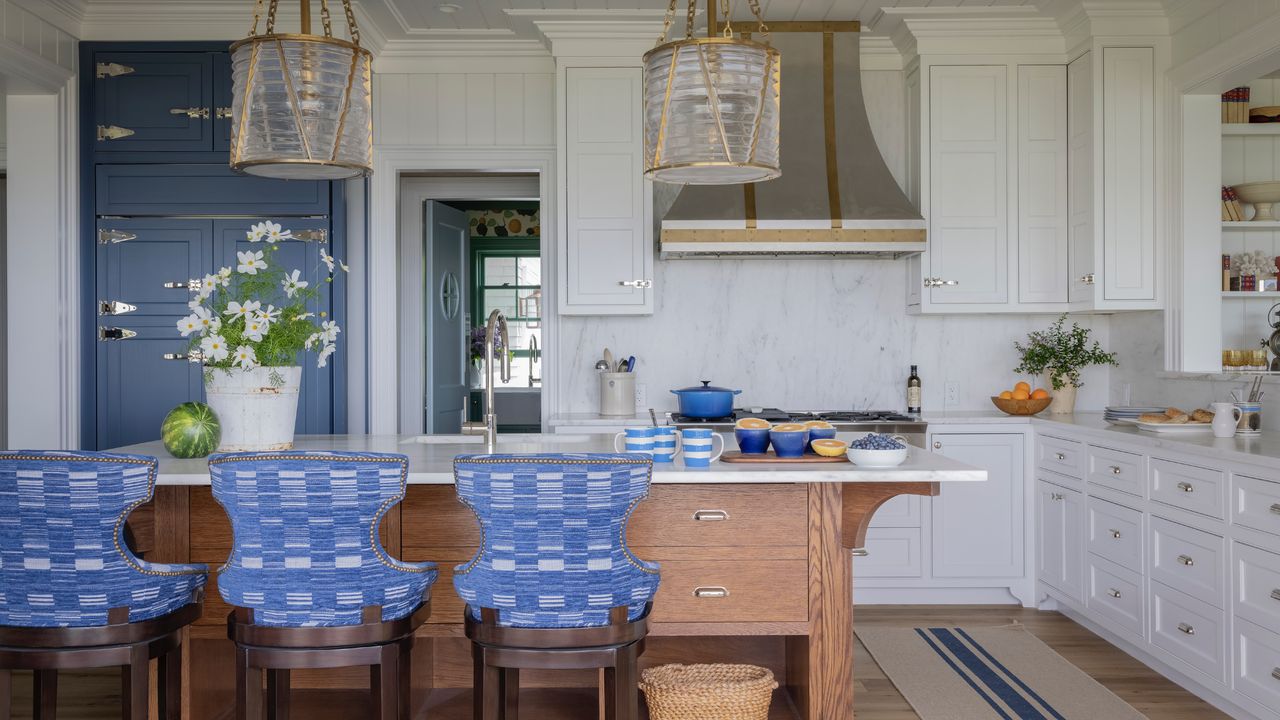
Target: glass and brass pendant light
column 302, row 106
column 711, row 105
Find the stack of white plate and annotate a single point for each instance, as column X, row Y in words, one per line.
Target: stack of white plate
column 1127, row 415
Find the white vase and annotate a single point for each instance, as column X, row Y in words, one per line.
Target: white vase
column 256, row 408
column 1064, row 400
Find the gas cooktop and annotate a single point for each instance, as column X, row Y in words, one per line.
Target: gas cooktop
column 774, row 415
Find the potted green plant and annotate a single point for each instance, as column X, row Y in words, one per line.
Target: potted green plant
column 1060, row 354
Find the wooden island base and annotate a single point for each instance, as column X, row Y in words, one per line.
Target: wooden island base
column 751, row 573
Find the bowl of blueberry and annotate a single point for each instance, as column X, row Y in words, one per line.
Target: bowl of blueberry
column 875, row 450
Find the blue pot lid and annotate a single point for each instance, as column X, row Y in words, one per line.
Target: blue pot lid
column 707, row 387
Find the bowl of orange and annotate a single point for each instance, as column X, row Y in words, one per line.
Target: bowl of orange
column 1022, row 400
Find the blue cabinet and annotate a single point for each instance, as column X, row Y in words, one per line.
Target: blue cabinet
column 190, row 189
column 153, row 101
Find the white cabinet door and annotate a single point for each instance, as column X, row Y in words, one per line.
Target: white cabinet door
column 607, row 264
column 978, row 527
column 1128, row 175
column 968, row 184
column 1080, row 177
column 1042, row 183
column 1060, row 547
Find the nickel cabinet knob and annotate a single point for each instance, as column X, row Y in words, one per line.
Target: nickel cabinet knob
column 1114, row 593
column 1186, row 629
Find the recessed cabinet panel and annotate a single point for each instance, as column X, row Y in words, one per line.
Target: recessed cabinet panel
column 968, row 184
column 153, row 101
column 1042, row 184
column 186, row 190
column 961, row 549
column 1080, row 143
column 1060, row 546
column 1128, row 177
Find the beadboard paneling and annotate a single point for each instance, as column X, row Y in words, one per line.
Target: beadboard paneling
column 471, row 109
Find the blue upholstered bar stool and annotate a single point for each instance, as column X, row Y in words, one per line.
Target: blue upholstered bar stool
column 554, row 584
column 311, row 584
column 72, row 595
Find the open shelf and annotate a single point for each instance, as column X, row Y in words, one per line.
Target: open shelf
column 1251, row 128
column 1251, row 225
column 1244, row 295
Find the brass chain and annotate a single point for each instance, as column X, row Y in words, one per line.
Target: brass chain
column 324, row 18
column 351, row 22
column 688, row 20
column 271, row 17
column 666, row 22
column 257, row 15
column 755, row 10
column 728, row 23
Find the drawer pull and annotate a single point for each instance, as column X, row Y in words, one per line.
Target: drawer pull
column 1115, row 470
column 1186, row 560
column 860, row 552
column 1275, row 673
column 1275, row 509
column 1114, row 593
column 710, row 515
column 1186, row 487
column 710, row 592
column 1186, row 629
column 1115, row 534
column 1275, row 594
column 1055, row 496
column 1060, row 456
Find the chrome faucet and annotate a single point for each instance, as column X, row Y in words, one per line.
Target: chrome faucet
column 533, row 359
column 497, row 324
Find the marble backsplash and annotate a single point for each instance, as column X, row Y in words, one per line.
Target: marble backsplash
column 810, row 334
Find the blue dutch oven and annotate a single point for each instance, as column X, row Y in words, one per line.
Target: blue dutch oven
column 706, row 401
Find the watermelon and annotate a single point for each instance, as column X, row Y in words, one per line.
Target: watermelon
column 191, row 430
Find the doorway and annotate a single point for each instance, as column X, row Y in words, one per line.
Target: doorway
column 469, row 244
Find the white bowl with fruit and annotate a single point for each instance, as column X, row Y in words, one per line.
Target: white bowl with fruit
column 875, row 450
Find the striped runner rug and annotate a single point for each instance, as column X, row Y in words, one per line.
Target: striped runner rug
column 1003, row 673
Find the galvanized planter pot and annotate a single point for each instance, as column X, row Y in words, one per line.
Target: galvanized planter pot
column 257, row 408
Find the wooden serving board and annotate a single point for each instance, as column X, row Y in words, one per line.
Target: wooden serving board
column 734, row 456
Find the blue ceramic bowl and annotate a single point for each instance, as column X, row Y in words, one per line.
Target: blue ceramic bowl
column 820, row 434
column 752, row 441
column 789, row 443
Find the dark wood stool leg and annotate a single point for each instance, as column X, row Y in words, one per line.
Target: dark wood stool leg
column 404, row 683
column 44, row 696
column 488, row 682
column 385, row 678
column 277, row 695
column 621, row 686
column 169, row 679
column 135, row 679
column 6, row 695
column 510, row 693
column 248, row 688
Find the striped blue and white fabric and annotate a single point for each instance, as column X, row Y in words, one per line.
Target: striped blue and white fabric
column 63, row 559
column 554, row 552
column 306, row 550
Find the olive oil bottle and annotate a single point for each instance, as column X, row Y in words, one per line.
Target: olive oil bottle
column 914, row 391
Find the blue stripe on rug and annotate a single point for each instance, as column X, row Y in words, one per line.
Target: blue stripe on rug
column 991, row 658
column 963, row 675
column 996, row 684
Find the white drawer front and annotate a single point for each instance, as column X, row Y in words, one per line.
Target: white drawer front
column 1256, row 504
column 1116, row 595
column 1115, row 533
column 891, row 552
column 1188, row 487
column 1187, row 559
column 1188, row 629
column 1257, row 581
column 1257, row 663
column 1116, row 469
column 1061, row 456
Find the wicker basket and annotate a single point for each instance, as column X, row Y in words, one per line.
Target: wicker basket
column 708, row 692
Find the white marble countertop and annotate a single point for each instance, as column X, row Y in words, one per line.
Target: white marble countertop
column 431, row 461
column 1261, row 449
column 596, row 419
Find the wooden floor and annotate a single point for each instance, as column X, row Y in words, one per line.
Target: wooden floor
column 95, row 696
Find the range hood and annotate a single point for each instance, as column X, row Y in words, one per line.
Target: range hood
column 835, row 195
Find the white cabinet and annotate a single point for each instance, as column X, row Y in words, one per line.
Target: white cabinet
column 993, row 186
column 1060, row 536
column 978, row 527
column 1112, row 167
column 606, row 257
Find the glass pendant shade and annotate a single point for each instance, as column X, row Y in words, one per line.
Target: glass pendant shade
column 711, row 111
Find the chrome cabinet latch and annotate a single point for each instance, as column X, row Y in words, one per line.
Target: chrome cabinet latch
column 115, row 307
column 195, row 113
column 639, row 284
column 107, row 237
column 106, row 70
column 115, row 333
column 112, row 132
column 316, row 235
column 222, row 113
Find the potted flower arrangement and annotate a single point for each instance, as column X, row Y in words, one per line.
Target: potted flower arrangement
column 477, row 338
column 1060, row 355
column 249, row 325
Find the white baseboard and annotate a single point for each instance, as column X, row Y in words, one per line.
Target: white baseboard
column 934, row 596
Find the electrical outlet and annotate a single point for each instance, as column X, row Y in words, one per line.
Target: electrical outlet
column 953, row 395
column 642, row 395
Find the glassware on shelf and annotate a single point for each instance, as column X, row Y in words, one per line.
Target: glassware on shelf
column 1258, row 359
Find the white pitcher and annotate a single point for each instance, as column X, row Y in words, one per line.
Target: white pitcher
column 1225, row 418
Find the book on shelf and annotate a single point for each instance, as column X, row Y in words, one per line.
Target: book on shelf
column 1226, row 272
column 1231, row 209
column 1235, row 105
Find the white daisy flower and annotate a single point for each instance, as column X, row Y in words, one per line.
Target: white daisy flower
column 195, row 302
column 304, row 316
column 292, row 283
column 250, row 262
column 327, row 259
column 325, row 353
column 214, row 348
column 271, row 314
column 257, row 232
column 329, row 331
column 312, row 339
column 224, row 276
column 242, row 312
column 274, row 233
column 255, row 328
column 188, row 325
column 245, row 357
column 208, row 284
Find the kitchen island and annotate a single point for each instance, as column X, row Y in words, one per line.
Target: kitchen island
column 756, row 568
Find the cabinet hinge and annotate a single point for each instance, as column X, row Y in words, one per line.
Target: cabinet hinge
column 115, row 307
column 106, row 70
column 106, row 237
column 112, row 132
column 317, row 235
column 114, row 333
column 223, row 113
